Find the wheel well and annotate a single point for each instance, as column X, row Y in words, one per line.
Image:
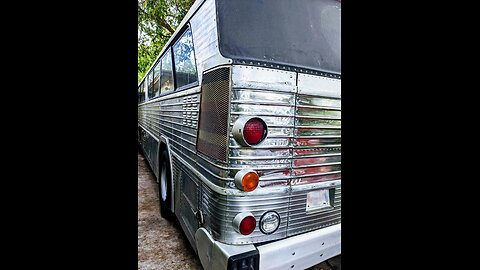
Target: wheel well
column 163, row 146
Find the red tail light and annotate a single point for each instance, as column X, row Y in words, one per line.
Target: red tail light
column 244, row 223
column 247, row 226
column 249, row 131
column 254, row 131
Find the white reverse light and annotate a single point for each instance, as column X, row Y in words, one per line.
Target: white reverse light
column 269, row 222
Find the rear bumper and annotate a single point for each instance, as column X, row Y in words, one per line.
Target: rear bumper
column 301, row 251
column 296, row 252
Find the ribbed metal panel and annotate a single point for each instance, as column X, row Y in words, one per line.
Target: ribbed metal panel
column 176, row 118
column 300, row 221
column 270, row 95
column 220, row 210
column 303, row 146
column 317, row 142
column 304, row 124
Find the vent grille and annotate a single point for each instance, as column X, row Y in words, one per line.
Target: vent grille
column 213, row 122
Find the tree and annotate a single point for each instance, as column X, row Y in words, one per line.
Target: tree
column 157, row 21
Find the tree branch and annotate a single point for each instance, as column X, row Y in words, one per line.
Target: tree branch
column 167, row 26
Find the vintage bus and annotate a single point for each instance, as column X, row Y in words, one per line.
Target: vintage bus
column 239, row 119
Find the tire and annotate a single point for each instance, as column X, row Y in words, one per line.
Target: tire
column 165, row 187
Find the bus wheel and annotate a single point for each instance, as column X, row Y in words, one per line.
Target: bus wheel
column 165, row 187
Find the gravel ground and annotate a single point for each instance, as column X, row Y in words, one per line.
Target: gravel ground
column 162, row 244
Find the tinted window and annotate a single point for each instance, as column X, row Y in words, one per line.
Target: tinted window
column 141, row 95
column 185, row 69
column 299, row 33
column 156, row 80
column 150, row 83
column 138, row 94
column 166, row 80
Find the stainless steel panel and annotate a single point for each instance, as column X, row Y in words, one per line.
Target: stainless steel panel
column 319, row 86
column 220, row 210
column 303, row 146
column 263, row 78
column 175, row 117
column 300, row 221
column 205, row 38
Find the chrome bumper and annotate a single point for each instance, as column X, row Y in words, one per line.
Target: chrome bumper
column 296, row 252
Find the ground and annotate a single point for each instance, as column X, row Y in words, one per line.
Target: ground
column 162, row 244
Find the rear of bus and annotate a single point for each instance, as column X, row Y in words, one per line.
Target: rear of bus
column 269, row 135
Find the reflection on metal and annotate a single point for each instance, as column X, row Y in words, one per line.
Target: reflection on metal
column 319, row 86
column 205, row 39
column 301, row 154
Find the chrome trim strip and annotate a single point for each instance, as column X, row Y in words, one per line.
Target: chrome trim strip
column 261, row 157
column 316, row 165
column 179, row 130
column 318, row 127
column 170, row 116
column 179, row 110
column 319, row 107
column 265, row 103
column 234, row 191
column 261, row 114
column 151, row 134
column 185, row 140
column 193, row 90
column 318, row 117
column 318, row 146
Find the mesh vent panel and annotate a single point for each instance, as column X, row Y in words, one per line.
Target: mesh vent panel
column 213, row 125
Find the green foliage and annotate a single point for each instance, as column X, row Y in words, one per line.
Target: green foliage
column 157, row 21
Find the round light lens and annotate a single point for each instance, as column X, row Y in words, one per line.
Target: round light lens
column 254, row 131
column 269, row 222
column 250, row 181
column 247, row 226
column 246, row 180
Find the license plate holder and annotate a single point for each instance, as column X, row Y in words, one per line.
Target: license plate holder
column 320, row 199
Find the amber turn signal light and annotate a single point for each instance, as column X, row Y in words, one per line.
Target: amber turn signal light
column 246, row 180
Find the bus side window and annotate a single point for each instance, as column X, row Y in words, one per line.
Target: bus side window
column 166, row 79
column 145, row 89
column 156, row 80
column 150, row 84
column 184, row 59
column 138, row 94
column 141, row 93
